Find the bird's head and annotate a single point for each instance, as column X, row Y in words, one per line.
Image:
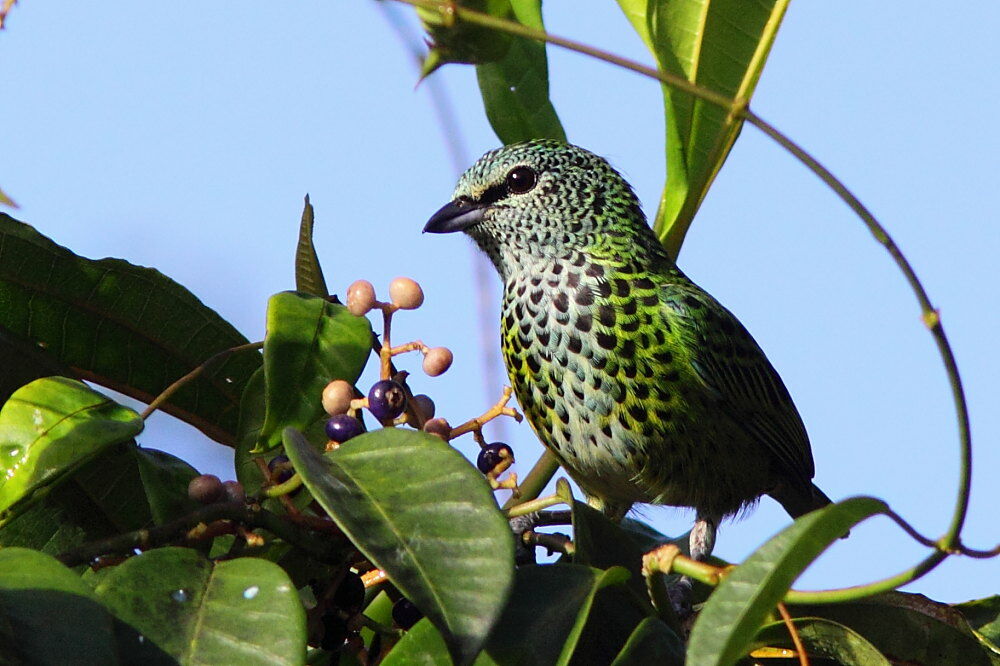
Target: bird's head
column 541, row 199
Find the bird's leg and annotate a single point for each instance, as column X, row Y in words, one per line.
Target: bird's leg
column 701, row 541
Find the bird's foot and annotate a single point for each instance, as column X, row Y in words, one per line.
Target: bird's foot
column 681, row 596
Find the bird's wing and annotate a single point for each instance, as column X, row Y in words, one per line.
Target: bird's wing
column 733, row 367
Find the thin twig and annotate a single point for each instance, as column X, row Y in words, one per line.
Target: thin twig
column 320, row 546
column 194, row 374
column 796, row 641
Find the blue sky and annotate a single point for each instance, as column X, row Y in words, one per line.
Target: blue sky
column 185, row 140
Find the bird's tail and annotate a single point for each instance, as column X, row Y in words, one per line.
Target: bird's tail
column 798, row 500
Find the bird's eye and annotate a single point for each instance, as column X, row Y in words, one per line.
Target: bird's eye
column 521, row 179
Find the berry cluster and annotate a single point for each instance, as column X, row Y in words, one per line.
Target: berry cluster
column 209, row 489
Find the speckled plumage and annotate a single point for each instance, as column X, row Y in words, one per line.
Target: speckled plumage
column 642, row 384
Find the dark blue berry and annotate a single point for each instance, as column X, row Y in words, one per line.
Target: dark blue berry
column 386, row 400
column 342, row 427
column 334, row 631
column 350, row 594
column 405, row 614
column 280, row 468
column 491, row 455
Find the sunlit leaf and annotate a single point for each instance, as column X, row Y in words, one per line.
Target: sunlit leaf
column 309, row 343
column 50, row 428
column 727, row 624
column 721, row 45
column 418, row 510
column 175, row 601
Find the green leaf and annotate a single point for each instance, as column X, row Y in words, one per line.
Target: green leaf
column 422, row 645
column 909, row 628
column 23, row 363
column 515, row 86
column 123, row 326
column 165, row 480
column 983, row 615
column 600, row 543
column 418, row 510
column 823, row 638
column 726, row 625
column 50, row 428
column 198, row 611
column 310, row 342
column 308, row 272
column 48, row 615
column 652, row 642
column 547, row 612
column 721, row 45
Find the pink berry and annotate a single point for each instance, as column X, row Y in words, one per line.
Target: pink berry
column 406, row 294
column 438, row 427
column 437, row 361
column 337, row 397
column 360, row 298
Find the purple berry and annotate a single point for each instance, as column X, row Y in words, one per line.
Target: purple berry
column 280, row 468
column 386, row 400
column 492, row 455
column 350, row 594
column 405, row 614
column 206, row 489
column 342, row 427
column 234, row 491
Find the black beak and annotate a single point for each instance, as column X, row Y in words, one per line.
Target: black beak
column 455, row 216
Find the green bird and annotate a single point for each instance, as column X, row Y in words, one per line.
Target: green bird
column 644, row 387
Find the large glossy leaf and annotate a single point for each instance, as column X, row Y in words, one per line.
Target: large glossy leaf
column 308, row 273
column 652, row 642
column 309, row 343
column 515, row 86
column 201, row 612
column 823, row 638
column 721, row 45
column 126, row 327
column 165, row 480
column 50, row 428
column 601, row 544
column 910, row 628
column 418, row 510
column 726, row 625
column 23, row 363
column 48, row 615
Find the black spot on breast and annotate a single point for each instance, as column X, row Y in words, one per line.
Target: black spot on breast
column 584, row 322
column 561, row 301
column 607, row 340
column 629, row 307
column 574, row 344
column 536, row 297
column 631, row 325
column 640, row 391
column 643, row 283
column 600, row 362
column 692, row 302
column 604, row 289
column 606, row 430
column 573, row 279
column 536, row 280
column 650, row 300
column 672, row 375
column 606, row 315
column 631, row 370
column 521, row 288
column 578, row 260
column 638, row 412
column 584, row 296
column 594, row 270
column 509, row 321
column 543, row 338
column 628, row 349
column 533, row 364
column 622, row 287
column 557, row 268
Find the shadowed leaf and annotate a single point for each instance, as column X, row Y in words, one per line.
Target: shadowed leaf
column 308, row 272
column 822, row 638
column 126, row 327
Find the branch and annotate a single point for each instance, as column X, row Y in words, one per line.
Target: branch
column 321, row 547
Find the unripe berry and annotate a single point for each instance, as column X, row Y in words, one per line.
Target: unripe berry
column 206, row 489
column 438, row 427
column 406, row 294
column 234, row 491
column 386, row 400
column 405, row 614
column 342, row 427
column 437, row 361
column 337, row 397
column 424, row 405
column 360, row 297
column 492, row 455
